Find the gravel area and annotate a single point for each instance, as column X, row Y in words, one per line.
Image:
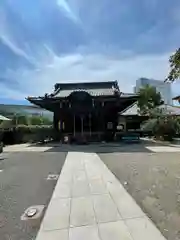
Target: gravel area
column 153, row 179
column 23, row 184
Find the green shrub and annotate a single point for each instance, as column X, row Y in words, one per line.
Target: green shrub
column 33, row 133
column 165, row 127
column 148, row 125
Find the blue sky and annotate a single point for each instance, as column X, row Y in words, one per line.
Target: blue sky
column 47, row 41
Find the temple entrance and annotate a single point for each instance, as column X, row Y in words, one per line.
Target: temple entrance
column 82, row 124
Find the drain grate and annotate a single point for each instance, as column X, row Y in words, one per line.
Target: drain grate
column 52, row 177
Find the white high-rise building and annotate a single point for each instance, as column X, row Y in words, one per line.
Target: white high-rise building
column 163, row 87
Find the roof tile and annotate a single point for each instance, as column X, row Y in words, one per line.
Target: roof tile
column 92, row 92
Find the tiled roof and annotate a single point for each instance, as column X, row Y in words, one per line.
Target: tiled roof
column 131, row 110
column 93, row 88
column 63, row 90
column 125, row 95
column 176, row 97
column 2, row 118
column 167, row 109
column 92, row 92
column 85, row 85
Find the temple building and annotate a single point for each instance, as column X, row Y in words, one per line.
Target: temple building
column 85, row 109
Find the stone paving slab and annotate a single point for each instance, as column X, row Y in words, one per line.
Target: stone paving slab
column 163, row 149
column 90, row 203
column 25, row 147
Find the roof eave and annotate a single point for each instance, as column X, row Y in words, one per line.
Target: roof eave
column 176, row 98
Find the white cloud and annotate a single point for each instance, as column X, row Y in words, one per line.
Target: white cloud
column 63, row 4
column 89, row 67
column 15, row 49
column 8, row 40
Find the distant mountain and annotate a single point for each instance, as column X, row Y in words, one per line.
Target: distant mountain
column 10, row 109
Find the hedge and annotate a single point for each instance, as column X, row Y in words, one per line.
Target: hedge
column 33, row 133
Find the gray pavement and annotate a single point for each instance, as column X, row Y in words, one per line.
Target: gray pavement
column 153, row 179
column 22, row 184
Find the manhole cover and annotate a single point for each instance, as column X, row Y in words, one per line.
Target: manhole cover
column 52, row 177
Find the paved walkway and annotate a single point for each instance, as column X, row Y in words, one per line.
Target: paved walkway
column 26, row 147
column 89, row 203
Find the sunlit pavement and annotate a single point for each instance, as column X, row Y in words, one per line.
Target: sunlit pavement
column 90, row 203
column 25, row 148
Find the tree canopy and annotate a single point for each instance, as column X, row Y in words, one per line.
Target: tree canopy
column 21, row 120
column 149, row 98
column 40, row 120
column 174, row 73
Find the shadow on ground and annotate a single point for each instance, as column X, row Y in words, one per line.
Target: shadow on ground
column 100, row 147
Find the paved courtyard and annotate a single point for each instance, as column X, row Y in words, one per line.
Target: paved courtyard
column 90, row 193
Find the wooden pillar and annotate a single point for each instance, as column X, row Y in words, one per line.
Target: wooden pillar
column 55, row 127
column 90, row 130
column 54, row 122
column 101, row 125
column 82, row 125
column 74, row 125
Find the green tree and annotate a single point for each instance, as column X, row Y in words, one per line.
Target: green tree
column 19, row 119
column 40, row 120
column 46, row 121
column 35, row 120
column 174, row 61
column 149, row 98
column 23, row 120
